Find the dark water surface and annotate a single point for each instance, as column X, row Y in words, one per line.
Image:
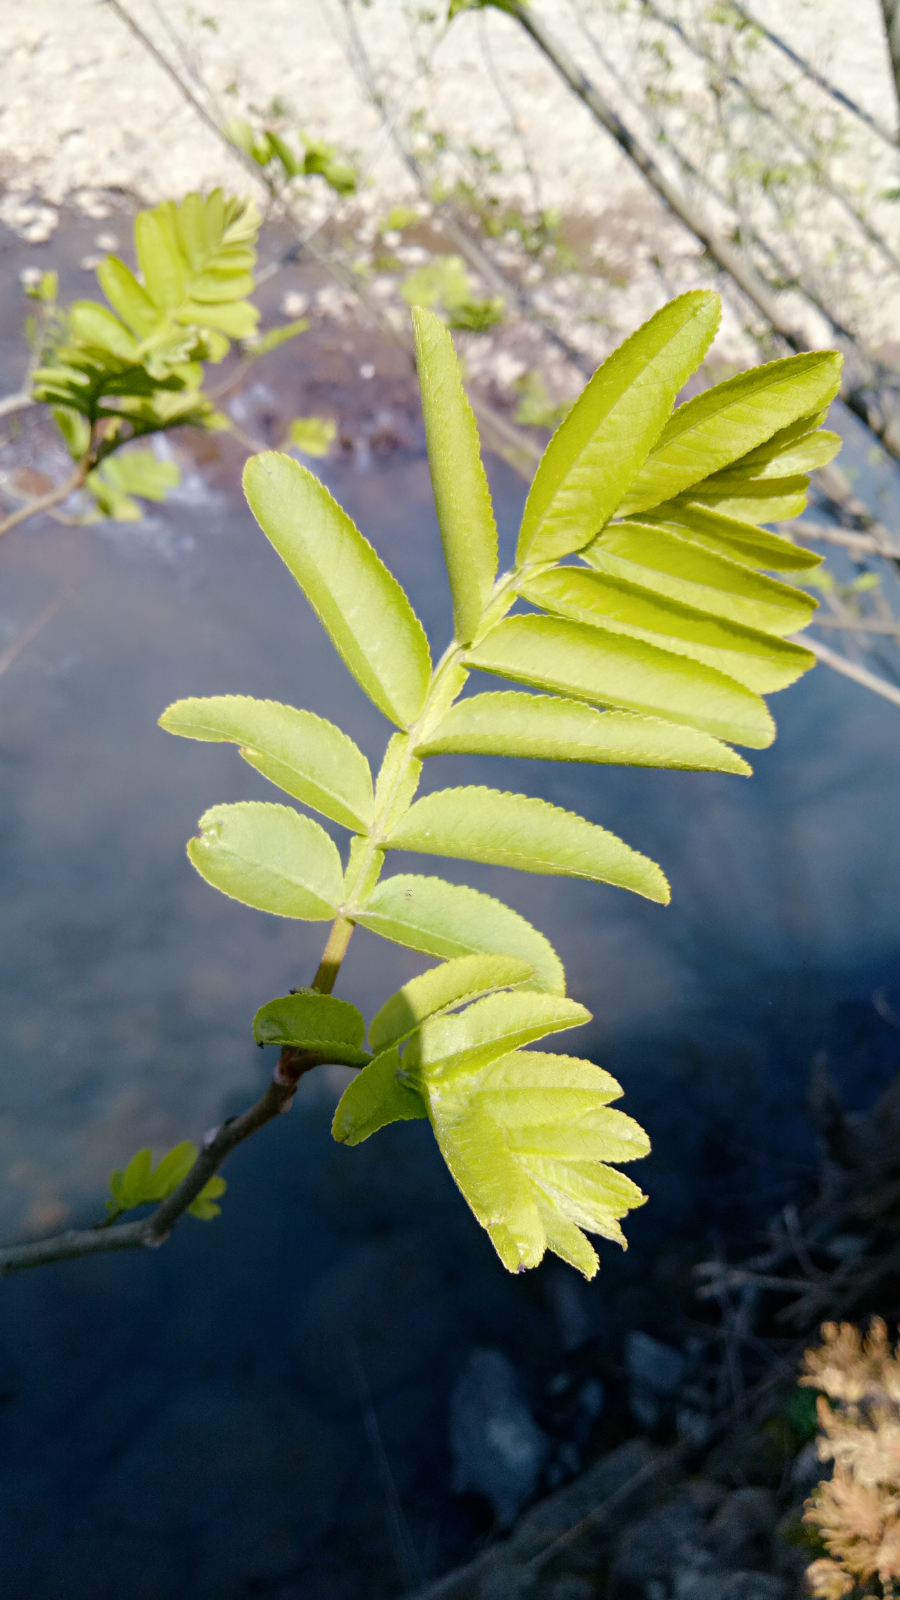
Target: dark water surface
column 200, row 1420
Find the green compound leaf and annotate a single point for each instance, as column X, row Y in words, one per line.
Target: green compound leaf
column 516, row 830
column 159, row 258
column 141, row 1183
column 528, row 1139
column 600, row 445
column 485, row 1030
column 671, row 565
column 724, row 423
column 127, row 296
column 332, row 1028
column 593, row 664
column 548, row 728
column 461, row 494
column 758, row 660
column 450, row 919
column 204, row 1207
column 726, row 536
column 304, row 754
column 793, row 450
column 441, row 988
column 358, row 601
column 375, row 1098
column 269, row 857
column 92, row 324
column 753, row 500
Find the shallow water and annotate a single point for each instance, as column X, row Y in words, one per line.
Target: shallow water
column 195, row 1421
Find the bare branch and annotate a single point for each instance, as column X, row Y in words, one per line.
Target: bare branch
column 890, row 10
column 149, row 1232
column 816, row 77
column 44, row 502
column 863, row 543
column 790, row 134
column 849, row 669
column 16, row 402
column 858, row 625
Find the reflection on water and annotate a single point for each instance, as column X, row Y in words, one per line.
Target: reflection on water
column 192, row 1417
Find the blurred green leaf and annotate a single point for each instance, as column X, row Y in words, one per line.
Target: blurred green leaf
column 313, row 435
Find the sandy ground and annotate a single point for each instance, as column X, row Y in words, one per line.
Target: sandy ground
column 83, row 107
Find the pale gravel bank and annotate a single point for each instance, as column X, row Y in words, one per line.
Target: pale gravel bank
column 85, row 111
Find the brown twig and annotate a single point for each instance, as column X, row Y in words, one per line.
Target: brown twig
column 150, row 1232
column 44, row 502
column 27, row 634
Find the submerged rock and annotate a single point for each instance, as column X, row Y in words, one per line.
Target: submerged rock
column 498, row 1448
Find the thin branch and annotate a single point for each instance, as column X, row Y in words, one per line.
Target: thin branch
column 789, row 133
column 27, row 634
column 725, row 255
column 818, row 533
column 816, row 77
column 44, row 502
column 749, row 233
column 498, row 433
column 150, row 1232
column 849, row 669
column 890, row 11
column 859, row 625
column 454, row 228
column 16, row 402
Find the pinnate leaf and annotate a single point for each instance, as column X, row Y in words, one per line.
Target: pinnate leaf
column 332, row 1028
column 358, row 601
column 127, row 296
column 141, row 1183
column 753, row 500
column 517, row 830
column 670, row 564
column 608, row 668
column 304, row 754
column 724, row 423
column 450, row 919
column 601, row 443
column 506, row 723
column 375, row 1098
column 776, row 459
column 269, row 857
column 528, row 1138
column 488, row 1028
column 159, row 257
column 441, row 988
column 461, row 494
column 726, row 536
column 759, row 660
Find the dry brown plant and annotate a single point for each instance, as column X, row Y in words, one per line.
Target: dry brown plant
column 857, row 1510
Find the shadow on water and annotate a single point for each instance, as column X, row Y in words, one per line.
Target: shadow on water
column 192, row 1421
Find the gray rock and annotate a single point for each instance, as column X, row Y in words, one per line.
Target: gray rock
column 740, row 1534
column 655, row 1370
column 498, row 1449
column 654, row 1365
column 808, row 1470
column 691, row 1584
column 650, row 1549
